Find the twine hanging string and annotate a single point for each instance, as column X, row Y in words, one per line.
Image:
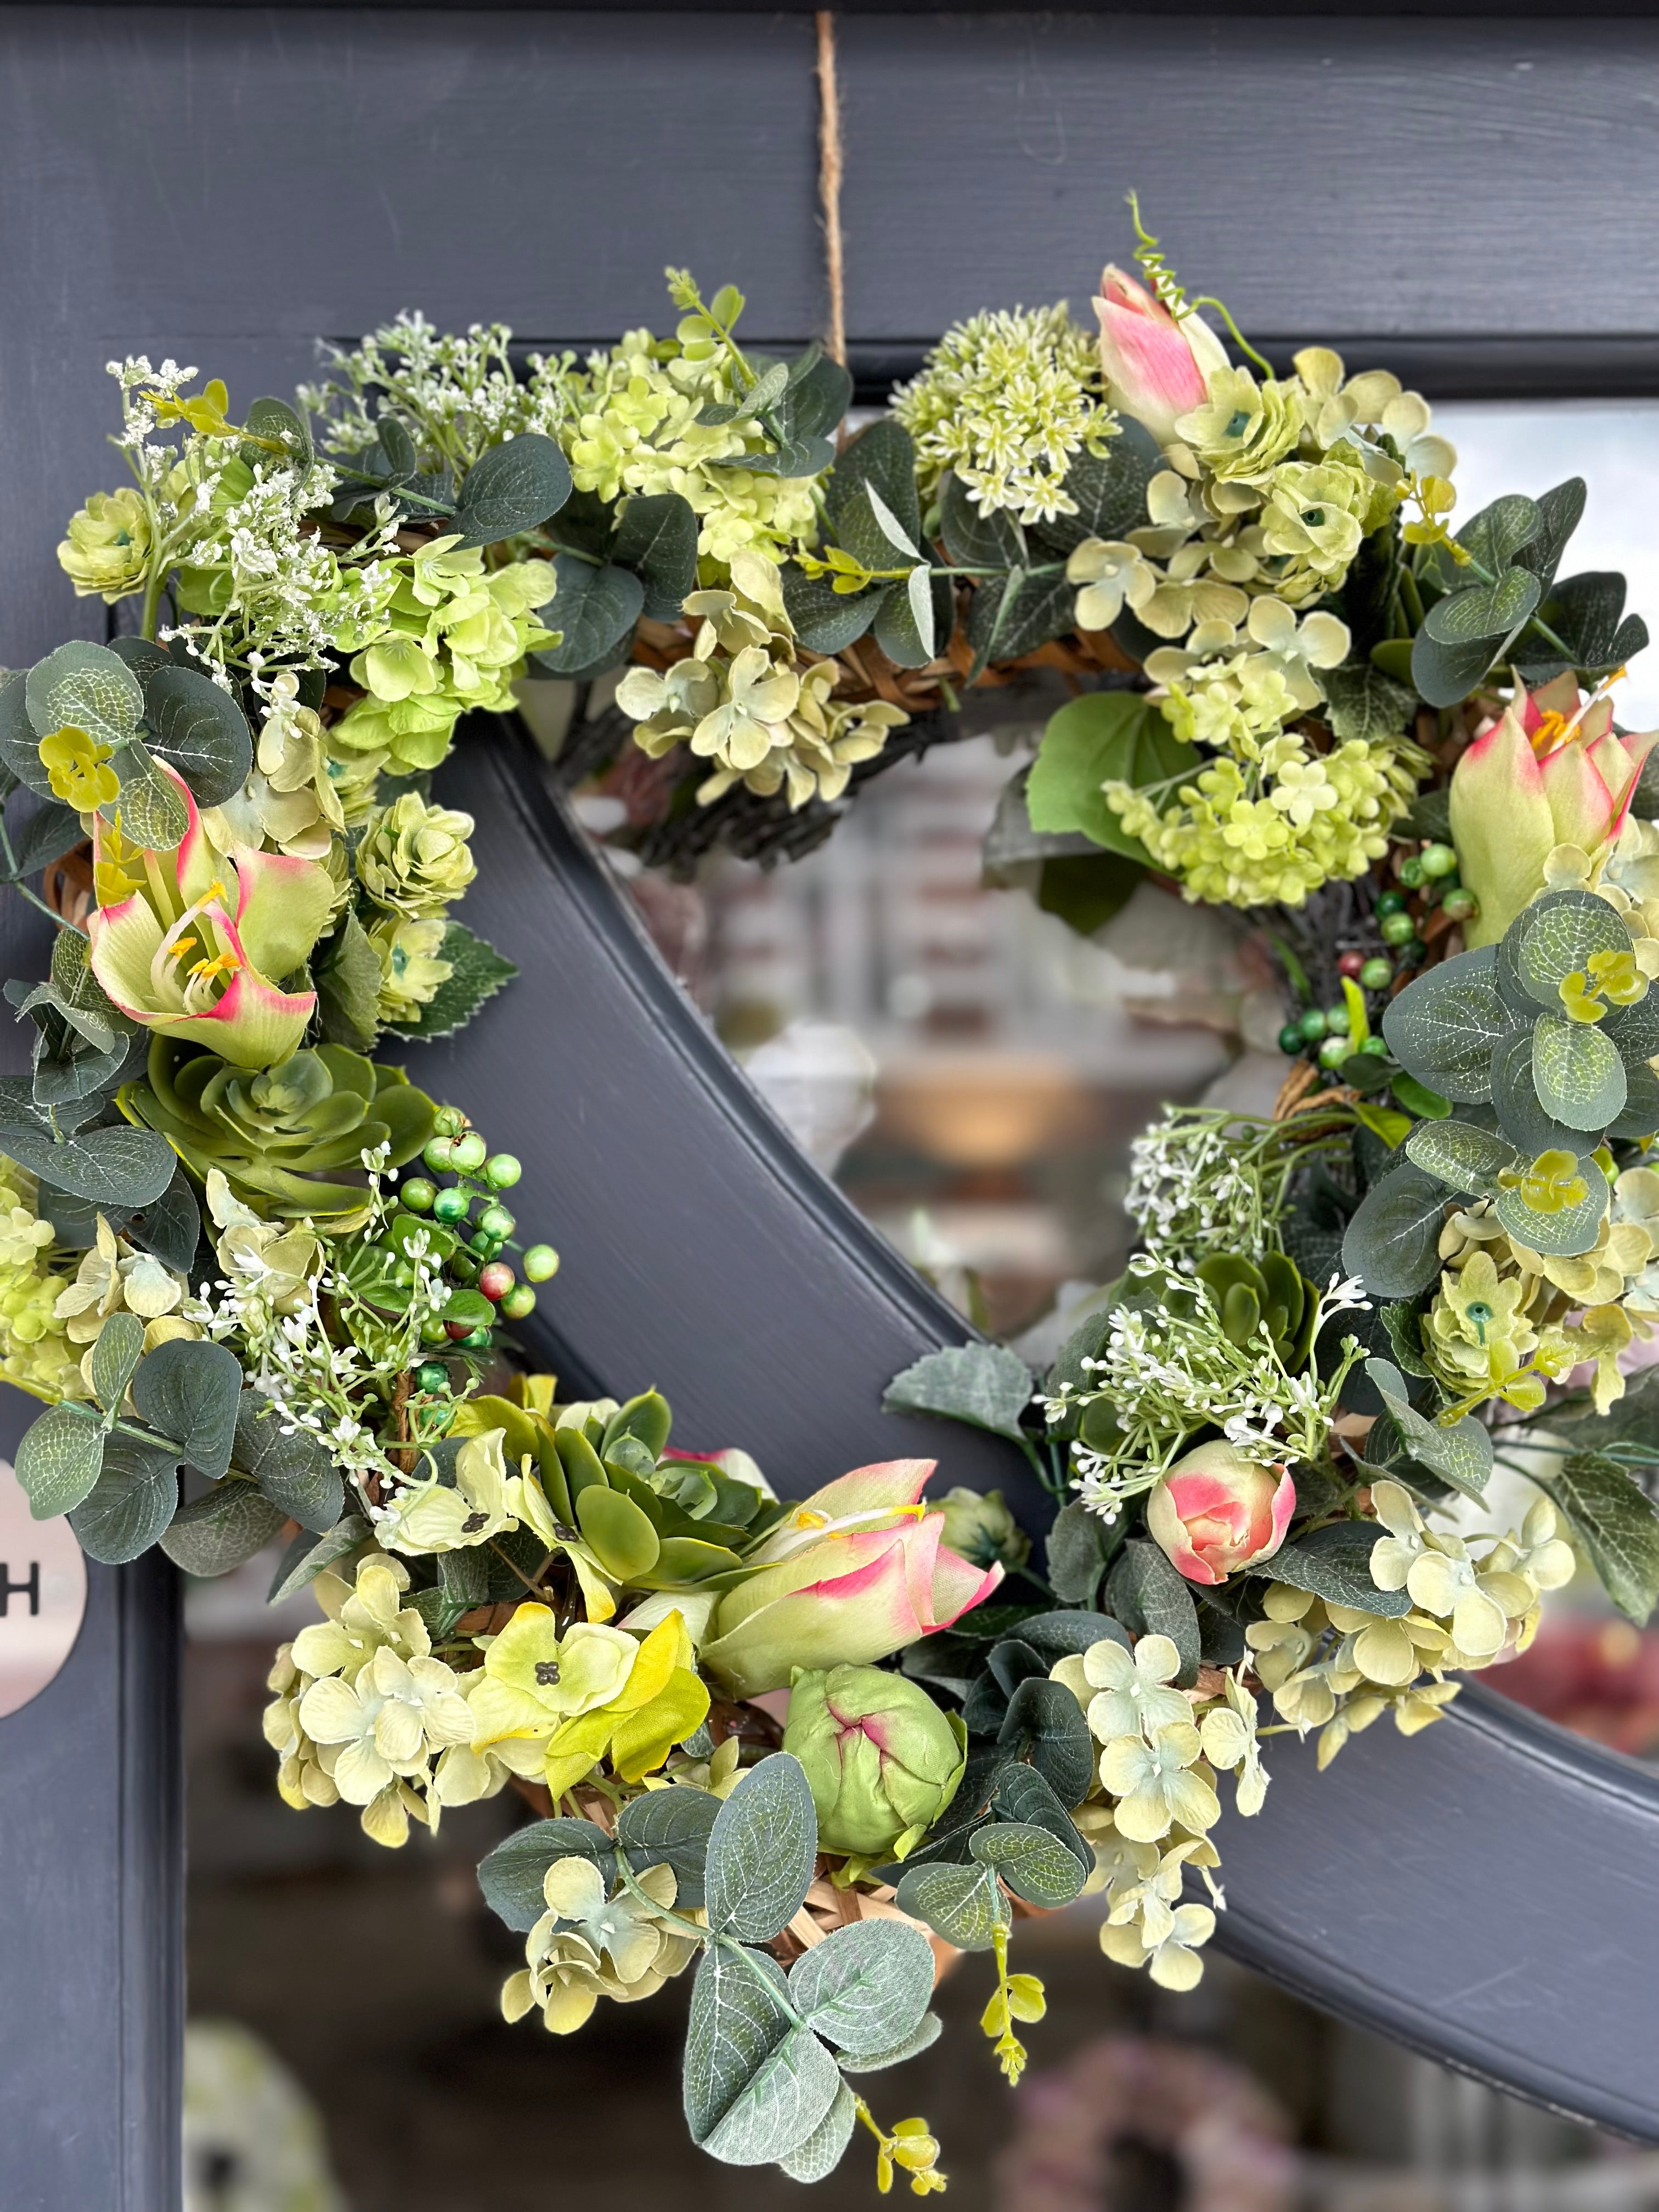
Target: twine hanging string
column 829, row 166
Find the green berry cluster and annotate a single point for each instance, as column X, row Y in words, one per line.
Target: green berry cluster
column 467, row 1225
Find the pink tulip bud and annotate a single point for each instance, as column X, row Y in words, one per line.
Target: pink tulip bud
column 1216, row 1512
column 1155, row 366
column 1543, row 775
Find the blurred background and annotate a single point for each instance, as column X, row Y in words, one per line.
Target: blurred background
column 971, row 1072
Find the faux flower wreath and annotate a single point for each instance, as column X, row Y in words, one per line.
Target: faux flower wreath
column 813, row 1746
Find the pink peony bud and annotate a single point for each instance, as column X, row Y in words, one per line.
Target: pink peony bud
column 1216, row 1512
column 1156, row 366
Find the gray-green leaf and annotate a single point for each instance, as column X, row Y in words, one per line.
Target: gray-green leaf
column 1460, row 1454
column 866, row 1987
column 962, row 1903
column 783, row 2104
column 220, row 1529
column 191, row 1393
column 821, row 2152
column 1579, row 1076
column 1617, row 1523
column 59, row 1458
column 120, row 1347
column 1461, row 1154
column 737, row 2018
column 984, row 1384
column 1034, row 1864
column 761, row 1850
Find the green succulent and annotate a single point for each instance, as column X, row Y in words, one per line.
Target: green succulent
column 1266, row 1294
column 414, row 858
column 651, row 1521
column 280, row 1135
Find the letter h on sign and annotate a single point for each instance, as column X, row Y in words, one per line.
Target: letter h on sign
column 10, row 1589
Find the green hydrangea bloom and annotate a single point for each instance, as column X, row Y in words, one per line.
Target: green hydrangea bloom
column 636, row 429
column 107, row 552
column 414, row 858
column 451, row 640
column 1005, row 402
column 411, row 968
column 1315, row 515
column 35, row 1352
column 1248, row 834
column 1244, row 428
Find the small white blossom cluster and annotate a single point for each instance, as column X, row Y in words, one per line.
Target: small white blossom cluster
column 1194, row 1187
column 456, row 395
column 1168, row 1368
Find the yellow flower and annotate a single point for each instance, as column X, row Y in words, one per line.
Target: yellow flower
column 75, row 768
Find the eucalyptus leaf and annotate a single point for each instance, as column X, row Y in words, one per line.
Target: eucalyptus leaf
column 826, row 620
column 740, row 2016
column 823, row 2150
column 19, row 742
column 671, row 1828
column 780, row 2106
column 199, row 731
column 296, row 1471
column 115, row 1354
column 1334, row 1562
column 1461, row 1155
column 222, row 1529
column 307, row 1556
column 190, row 1392
column 1036, row 1865
column 151, row 810
column 43, row 837
column 1146, row 1594
column 1444, row 1027
column 83, row 687
column 1557, row 935
column 512, row 487
column 762, row 1851
column 1483, row 611
column 883, row 457
column 912, row 2047
column 511, row 1876
column 122, row 1166
column 657, row 538
column 1578, row 1075
column 986, row 1385
column 1044, row 1724
column 866, row 1987
column 962, row 1903
column 58, row 1459
column 1569, row 1228
column 1076, row 1554
column 1617, row 1523
column 1460, row 1454
column 598, row 608
column 976, row 540
column 134, row 1498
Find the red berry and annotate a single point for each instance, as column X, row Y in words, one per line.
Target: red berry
column 1349, row 964
column 495, row 1280
column 458, row 1329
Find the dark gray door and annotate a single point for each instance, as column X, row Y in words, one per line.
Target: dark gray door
column 222, row 184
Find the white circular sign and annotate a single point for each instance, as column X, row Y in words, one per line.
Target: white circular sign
column 43, row 1595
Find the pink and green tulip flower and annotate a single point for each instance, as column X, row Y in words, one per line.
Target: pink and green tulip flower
column 1156, row 366
column 1548, row 772
column 1216, row 1512
column 186, row 943
column 854, row 1573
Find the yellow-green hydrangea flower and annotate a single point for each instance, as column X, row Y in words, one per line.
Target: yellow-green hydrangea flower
column 1243, row 428
column 107, row 552
column 412, row 969
column 413, row 857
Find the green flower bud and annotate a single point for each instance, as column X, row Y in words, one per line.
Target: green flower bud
column 415, row 858
column 982, row 1529
column 882, row 1759
column 107, row 549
